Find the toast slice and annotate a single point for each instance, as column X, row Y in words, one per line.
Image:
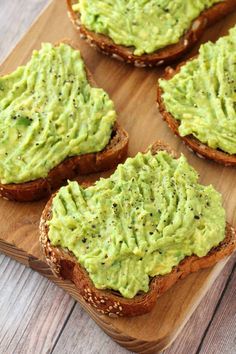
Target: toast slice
column 201, row 149
column 72, row 167
column 114, row 153
column 65, row 265
column 162, row 56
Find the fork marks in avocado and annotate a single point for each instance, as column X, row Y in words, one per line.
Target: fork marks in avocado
column 202, row 96
column 48, row 112
column 139, row 223
column 145, row 25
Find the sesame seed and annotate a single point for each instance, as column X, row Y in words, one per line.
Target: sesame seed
column 112, row 315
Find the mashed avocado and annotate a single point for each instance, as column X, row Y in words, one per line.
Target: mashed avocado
column 143, row 220
column 202, row 96
column 146, row 25
column 49, row 111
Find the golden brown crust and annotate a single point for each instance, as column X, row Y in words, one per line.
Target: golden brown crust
column 201, row 149
column 161, row 56
column 72, row 167
column 114, row 153
column 66, row 266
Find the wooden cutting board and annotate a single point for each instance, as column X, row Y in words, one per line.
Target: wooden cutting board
column 134, row 92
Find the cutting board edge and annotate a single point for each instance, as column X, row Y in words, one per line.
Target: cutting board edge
column 126, row 341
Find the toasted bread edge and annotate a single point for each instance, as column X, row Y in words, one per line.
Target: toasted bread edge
column 114, row 153
column 201, row 149
column 64, row 265
column 163, row 55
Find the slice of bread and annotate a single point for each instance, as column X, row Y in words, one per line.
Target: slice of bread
column 72, row 167
column 114, row 153
column 162, row 56
column 201, row 149
column 65, row 265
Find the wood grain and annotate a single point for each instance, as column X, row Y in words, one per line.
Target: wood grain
column 127, row 87
column 30, row 320
column 34, row 313
column 72, row 337
column 221, row 336
column 194, row 332
column 15, row 18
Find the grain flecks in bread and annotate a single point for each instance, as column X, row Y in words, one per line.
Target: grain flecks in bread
column 64, row 265
column 162, row 56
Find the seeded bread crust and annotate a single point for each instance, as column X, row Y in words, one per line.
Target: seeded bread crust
column 201, row 149
column 64, row 265
column 162, row 56
column 114, row 153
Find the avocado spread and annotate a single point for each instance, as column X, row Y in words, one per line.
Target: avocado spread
column 146, row 25
column 48, row 112
column 202, row 96
column 139, row 223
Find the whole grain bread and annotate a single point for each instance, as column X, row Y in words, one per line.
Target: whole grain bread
column 201, row 149
column 72, row 167
column 162, row 56
column 64, row 265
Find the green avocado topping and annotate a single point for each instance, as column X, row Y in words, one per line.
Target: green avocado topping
column 202, row 96
column 139, row 223
column 146, row 25
column 48, row 112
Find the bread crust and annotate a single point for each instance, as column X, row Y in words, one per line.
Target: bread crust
column 64, row 265
column 114, row 153
column 201, row 149
column 162, row 56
